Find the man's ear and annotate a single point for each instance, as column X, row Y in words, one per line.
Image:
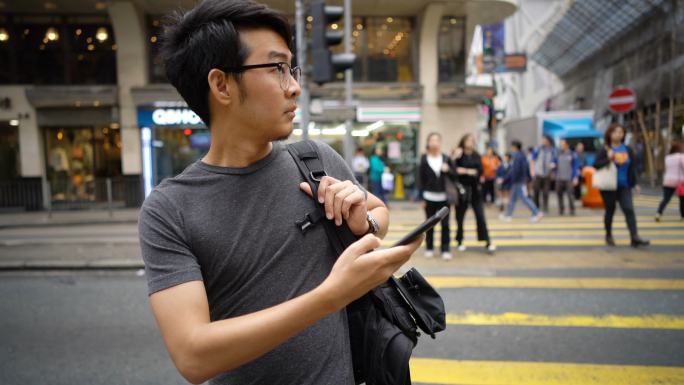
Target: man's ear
column 219, row 86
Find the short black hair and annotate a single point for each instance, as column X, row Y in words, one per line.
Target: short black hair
column 208, row 37
column 517, row 144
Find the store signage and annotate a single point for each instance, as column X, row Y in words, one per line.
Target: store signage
column 174, row 116
column 180, row 117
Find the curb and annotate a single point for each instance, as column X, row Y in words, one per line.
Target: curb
column 69, row 223
column 71, row 265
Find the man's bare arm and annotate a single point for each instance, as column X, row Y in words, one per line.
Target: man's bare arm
column 202, row 349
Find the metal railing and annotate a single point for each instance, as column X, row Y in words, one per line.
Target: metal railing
column 96, row 194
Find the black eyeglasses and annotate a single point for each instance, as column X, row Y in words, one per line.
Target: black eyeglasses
column 283, row 70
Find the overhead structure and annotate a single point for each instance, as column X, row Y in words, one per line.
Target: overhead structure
column 586, row 27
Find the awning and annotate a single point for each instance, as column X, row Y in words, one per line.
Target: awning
column 587, row 27
column 571, row 128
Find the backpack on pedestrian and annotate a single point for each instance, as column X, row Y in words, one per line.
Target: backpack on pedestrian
column 383, row 324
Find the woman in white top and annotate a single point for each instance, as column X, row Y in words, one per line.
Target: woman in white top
column 674, row 175
column 434, row 167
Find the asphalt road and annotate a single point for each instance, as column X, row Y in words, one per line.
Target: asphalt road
column 96, row 328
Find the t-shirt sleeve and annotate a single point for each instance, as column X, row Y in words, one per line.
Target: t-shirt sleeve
column 168, row 258
column 335, row 165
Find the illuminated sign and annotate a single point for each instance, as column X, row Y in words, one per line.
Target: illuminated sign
column 178, row 116
column 174, row 116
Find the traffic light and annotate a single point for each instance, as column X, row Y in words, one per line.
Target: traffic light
column 325, row 64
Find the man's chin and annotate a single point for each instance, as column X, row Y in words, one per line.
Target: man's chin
column 285, row 134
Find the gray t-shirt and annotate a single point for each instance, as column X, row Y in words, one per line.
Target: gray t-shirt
column 234, row 229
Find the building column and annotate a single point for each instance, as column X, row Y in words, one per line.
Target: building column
column 31, row 157
column 451, row 121
column 132, row 71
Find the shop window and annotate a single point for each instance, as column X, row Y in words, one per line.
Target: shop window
column 43, row 49
column 383, row 48
column 79, row 159
column 9, row 151
column 451, row 50
column 176, row 148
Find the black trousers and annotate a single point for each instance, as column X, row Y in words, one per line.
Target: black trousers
column 565, row 187
column 488, row 191
column 474, row 200
column 668, row 192
column 431, row 209
column 542, row 185
column 623, row 196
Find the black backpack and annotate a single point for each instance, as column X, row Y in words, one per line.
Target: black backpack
column 383, row 324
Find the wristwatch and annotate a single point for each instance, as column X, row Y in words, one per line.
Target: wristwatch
column 373, row 226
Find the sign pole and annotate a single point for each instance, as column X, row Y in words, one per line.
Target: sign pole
column 301, row 61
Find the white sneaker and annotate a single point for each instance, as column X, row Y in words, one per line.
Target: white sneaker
column 537, row 217
column 429, row 253
column 491, row 248
column 447, row 256
column 461, row 247
column 505, row 218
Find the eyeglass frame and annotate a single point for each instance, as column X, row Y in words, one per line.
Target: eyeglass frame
column 279, row 65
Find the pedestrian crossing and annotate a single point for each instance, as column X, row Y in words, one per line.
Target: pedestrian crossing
column 586, row 229
column 454, row 370
column 546, row 340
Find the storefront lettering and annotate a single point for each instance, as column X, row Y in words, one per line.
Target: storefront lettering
column 173, row 116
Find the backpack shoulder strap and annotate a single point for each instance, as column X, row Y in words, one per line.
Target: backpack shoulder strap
column 306, row 156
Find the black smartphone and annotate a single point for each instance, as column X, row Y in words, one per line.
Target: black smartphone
column 423, row 227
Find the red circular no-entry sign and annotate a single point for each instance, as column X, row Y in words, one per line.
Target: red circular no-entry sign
column 622, row 100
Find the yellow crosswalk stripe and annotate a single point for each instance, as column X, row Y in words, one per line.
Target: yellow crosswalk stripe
column 651, row 321
column 452, row 282
column 525, row 224
column 440, row 371
column 549, row 242
column 551, row 232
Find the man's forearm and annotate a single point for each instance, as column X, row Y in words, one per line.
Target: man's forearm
column 227, row 344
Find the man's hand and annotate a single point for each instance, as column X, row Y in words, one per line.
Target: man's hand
column 361, row 268
column 343, row 201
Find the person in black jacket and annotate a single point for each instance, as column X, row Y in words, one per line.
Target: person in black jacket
column 434, row 168
column 468, row 166
column 614, row 150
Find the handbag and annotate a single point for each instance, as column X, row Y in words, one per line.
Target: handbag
column 605, row 178
column 680, row 186
column 383, row 324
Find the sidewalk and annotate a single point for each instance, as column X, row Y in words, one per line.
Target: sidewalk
column 66, row 218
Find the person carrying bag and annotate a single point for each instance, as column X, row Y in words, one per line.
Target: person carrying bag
column 384, row 323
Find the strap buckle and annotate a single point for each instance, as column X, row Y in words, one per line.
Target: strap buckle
column 318, row 175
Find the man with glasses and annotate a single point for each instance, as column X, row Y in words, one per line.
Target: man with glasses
column 240, row 293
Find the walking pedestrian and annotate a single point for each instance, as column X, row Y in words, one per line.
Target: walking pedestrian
column 240, row 294
column 468, row 164
column 519, row 176
column 567, row 174
column 614, row 151
column 377, row 168
column 504, row 185
column 490, row 163
column 360, row 165
column 435, row 167
column 543, row 165
column 673, row 180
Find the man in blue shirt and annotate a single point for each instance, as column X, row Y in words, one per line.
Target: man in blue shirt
column 518, row 177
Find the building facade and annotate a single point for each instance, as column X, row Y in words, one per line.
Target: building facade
column 86, row 114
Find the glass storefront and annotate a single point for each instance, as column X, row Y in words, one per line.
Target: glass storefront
column 175, row 148
column 384, row 48
column 398, row 141
column 51, row 49
column 78, row 158
column 9, row 151
column 452, row 55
